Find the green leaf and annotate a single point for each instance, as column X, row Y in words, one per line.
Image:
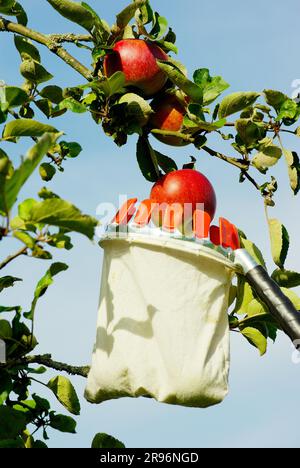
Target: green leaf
column 37, row 370
column 144, row 14
column 286, row 278
column 53, row 93
column 180, row 80
column 43, row 285
column 244, row 296
column 236, row 102
column 58, row 212
column 39, row 444
column 105, row 441
column 45, row 194
column 256, row 338
column 15, row 10
column 293, row 163
column 195, row 124
column 212, row 87
column 288, row 110
column 12, row 423
column 293, row 297
column 31, row 161
column 26, row 112
column 165, row 163
column 126, row 15
column 137, row 110
column 160, row 26
column 253, row 251
column 47, row 171
column 35, row 72
column 256, row 308
column 249, row 131
column 47, row 279
column 116, row 83
column 72, row 105
column 14, row 97
column 26, row 49
column 60, row 241
column 41, row 403
column 74, row 12
column 6, row 5
column 63, row 423
column 24, row 208
column 25, row 238
column 45, row 106
column 12, row 443
column 274, row 98
column 167, row 46
column 145, row 157
column 70, row 149
column 25, row 127
column 279, row 241
column 268, row 155
column 17, row 309
column 65, row 393
column 39, row 252
column 109, row 86
column 5, row 386
column 5, row 329
column 8, row 282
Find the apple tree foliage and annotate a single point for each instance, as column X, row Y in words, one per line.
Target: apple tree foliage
column 252, row 122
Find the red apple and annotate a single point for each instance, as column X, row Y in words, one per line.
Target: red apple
column 137, row 60
column 168, row 115
column 185, row 186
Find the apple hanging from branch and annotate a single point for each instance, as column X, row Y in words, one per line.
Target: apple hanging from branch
column 168, row 115
column 136, row 58
column 185, row 186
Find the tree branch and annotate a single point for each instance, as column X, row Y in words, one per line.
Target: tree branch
column 253, row 182
column 243, row 165
column 70, row 37
column 53, row 46
column 46, row 360
column 10, row 258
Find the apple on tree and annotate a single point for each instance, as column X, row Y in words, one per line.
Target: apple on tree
column 182, row 187
column 168, row 115
column 136, row 58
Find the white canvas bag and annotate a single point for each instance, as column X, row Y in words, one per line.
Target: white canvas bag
column 162, row 326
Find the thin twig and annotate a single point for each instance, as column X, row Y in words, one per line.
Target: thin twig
column 253, row 182
column 243, row 165
column 45, row 40
column 293, row 132
column 10, row 258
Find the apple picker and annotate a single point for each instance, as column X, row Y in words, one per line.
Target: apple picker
column 162, row 328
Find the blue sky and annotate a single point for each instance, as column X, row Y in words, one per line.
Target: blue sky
column 253, row 46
